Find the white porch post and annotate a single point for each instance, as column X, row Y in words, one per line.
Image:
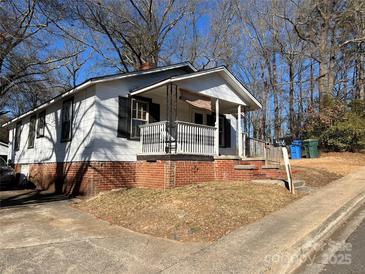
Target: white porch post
column 244, row 133
column 239, row 131
column 216, row 143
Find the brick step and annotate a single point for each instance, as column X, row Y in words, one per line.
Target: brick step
column 245, row 167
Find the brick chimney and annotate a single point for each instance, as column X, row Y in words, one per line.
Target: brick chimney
column 145, row 66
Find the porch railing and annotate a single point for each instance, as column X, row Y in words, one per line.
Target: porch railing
column 194, row 138
column 256, row 148
column 153, row 138
column 179, row 137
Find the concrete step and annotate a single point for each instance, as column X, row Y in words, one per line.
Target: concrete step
column 245, row 167
column 269, row 182
column 303, row 189
column 271, row 167
column 298, row 183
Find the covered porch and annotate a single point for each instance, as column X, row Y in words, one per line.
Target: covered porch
column 202, row 114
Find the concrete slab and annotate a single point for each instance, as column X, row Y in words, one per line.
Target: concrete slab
column 55, row 238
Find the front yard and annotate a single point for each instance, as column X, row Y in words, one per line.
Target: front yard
column 206, row 212
column 202, row 212
column 329, row 167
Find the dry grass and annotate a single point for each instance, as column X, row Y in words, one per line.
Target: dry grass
column 202, row 212
column 327, row 168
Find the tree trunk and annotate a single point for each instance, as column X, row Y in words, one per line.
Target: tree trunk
column 311, row 85
column 291, row 99
column 326, row 61
column 332, row 63
column 262, row 129
column 360, row 81
column 277, row 122
column 300, row 102
column 323, row 71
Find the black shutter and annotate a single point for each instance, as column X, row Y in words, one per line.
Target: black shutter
column 227, row 132
column 154, row 113
column 124, row 120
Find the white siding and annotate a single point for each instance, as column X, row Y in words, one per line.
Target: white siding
column 49, row 148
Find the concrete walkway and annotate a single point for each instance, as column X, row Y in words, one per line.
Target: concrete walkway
column 281, row 241
column 46, row 235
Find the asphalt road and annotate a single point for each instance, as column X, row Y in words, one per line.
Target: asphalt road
column 352, row 259
column 344, row 252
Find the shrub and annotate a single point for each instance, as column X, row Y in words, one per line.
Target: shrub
column 339, row 128
column 348, row 135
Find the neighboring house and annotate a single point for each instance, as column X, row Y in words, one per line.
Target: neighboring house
column 4, row 150
column 150, row 128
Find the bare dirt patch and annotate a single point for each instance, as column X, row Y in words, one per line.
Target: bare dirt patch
column 203, row 212
column 329, row 167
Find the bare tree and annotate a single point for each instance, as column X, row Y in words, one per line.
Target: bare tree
column 321, row 23
column 27, row 59
column 136, row 30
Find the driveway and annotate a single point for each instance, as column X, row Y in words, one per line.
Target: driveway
column 41, row 233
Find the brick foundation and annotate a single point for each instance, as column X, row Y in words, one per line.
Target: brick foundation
column 88, row 178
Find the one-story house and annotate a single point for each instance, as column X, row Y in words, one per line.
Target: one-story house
column 161, row 127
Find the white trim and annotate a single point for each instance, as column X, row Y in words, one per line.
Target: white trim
column 243, row 88
column 217, row 127
column 240, row 88
column 94, row 81
column 239, row 131
column 175, row 79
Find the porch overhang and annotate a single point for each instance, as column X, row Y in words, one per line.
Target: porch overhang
column 239, row 94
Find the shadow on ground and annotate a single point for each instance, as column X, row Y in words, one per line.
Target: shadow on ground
column 23, row 197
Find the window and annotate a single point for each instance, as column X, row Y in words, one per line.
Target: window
column 66, row 120
column 139, row 116
column 31, row 133
column 41, row 124
column 18, row 132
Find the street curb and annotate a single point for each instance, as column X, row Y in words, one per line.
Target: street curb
column 303, row 249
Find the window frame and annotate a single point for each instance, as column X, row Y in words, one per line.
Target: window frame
column 69, row 138
column 147, row 102
column 32, row 127
column 17, row 137
column 41, row 115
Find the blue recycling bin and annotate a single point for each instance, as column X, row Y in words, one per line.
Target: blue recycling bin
column 296, row 149
column 297, row 142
